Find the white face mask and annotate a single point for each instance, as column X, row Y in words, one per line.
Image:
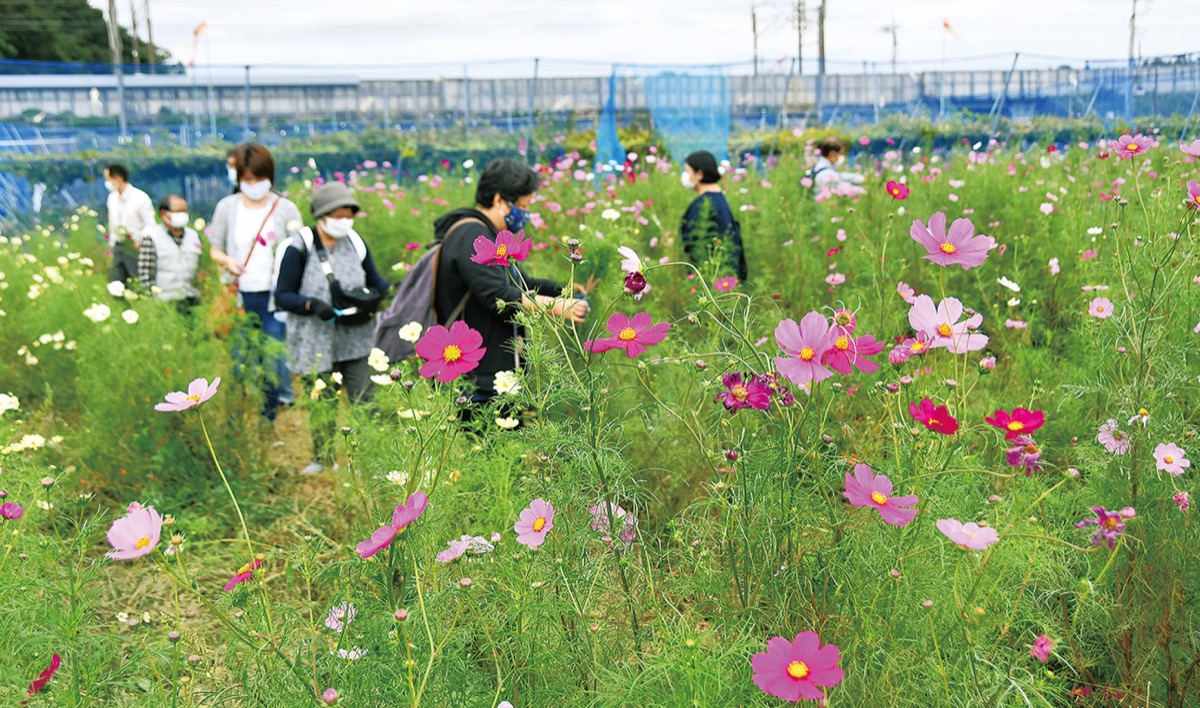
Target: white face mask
column 685, row 180
column 337, row 228
column 233, row 175
column 177, row 219
column 109, row 185
column 841, row 159
column 257, row 190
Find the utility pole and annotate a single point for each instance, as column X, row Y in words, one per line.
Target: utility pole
column 114, row 42
column 754, row 29
column 800, row 25
column 1132, row 61
column 153, row 59
column 820, row 58
column 134, row 33
column 891, row 29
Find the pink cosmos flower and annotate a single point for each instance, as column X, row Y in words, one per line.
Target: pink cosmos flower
column 725, row 284
column 621, row 518
column 475, row 544
column 404, row 515
column 1193, row 189
column 866, row 489
column 340, row 616
column 244, row 573
column 744, row 391
column 1193, row 149
column 1100, row 307
column 504, row 251
column 906, row 291
column 1183, row 500
column 936, row 418
column 941, row 324
column 1021, row 421
column 897, row 190
column 1128, row 146
column 1041, row 648
column 449, row 353
column 805, row 345
column 1025, row 453
column 44, row 678
column 793, row 670
column 198, row 392
column 969, row 537
column 632, row 335
column 850, row 351
column 1054, row 268
column 1171, row 458
column 135, row 534
column 1112, row 438
column 959, row 247
column 534, row 523
column 1108, row 526
column 11, row 511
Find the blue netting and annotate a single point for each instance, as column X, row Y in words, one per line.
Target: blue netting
column 691, row 107
column 608, row 143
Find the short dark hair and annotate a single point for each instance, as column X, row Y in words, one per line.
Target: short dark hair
column 255, row 160
column 509, row 178
column 705, row 163
column 116, row 169
column 164, row 204
column 830, row 145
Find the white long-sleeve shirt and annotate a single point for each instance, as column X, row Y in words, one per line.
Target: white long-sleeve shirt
column 130, row 216
column 826, row 175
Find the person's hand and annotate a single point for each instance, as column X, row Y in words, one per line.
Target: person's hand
column 322, row 310
column 573, row 310
column 588, row 287
column 233, row 266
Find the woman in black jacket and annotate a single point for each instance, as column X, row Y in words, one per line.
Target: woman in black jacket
column 495, row 293
column 708, row 226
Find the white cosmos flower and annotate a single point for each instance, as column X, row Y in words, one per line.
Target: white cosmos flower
column 97, row 312
column 378, row 360
column 129, row 316
column 116, row 288
column 411, row 332
column 1009, row 284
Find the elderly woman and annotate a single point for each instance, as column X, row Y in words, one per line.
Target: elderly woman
column 328, row 345
column 246, row 229
column 708, row 229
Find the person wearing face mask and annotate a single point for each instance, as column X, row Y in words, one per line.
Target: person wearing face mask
column 494, row 294
column 322, row 340
column 170, row 255
column 245, row 231
column 826, row 175
column 231, row 166
column 708, row 228
column 130, row 218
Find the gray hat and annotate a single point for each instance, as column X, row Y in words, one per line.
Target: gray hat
column 332, row 196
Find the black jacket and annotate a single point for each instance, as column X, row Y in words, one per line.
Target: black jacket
column 495, row 292
column 709, row 220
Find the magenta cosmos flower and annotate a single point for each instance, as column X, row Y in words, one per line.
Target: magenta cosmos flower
column 1100, row 307
column 969, row 537
column 11, row 511
column 535, row 522
column 1128, row 146
column 622, row 519
column 504, row 251
column 1113, row 438
column 198, row 392
column 866, row 489
column 936, row 418
column 244, row 573
column 404, row 515
column 941, row 325
column 805, row 345
column 793, row 670
column 848, row 351
column 897, row 190
column 725, row 284
column 135, row 534
column 632, row 335
column 1108, row 526
column 1169, row 457
column 1021, row 421
column 635, row 273
column 1041, row 648
column 1193, row 188
column 744, row 391
column 450, row 353
column 44, row 678
column 958, row 247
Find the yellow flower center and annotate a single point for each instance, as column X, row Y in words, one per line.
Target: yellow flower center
column 842, row 318
column 842, row 343
column 1030, row 449
column 798, row 670
column 1196, row 198
column 1168, row 459
column 1143, row 412
column 1133, row 147
column 741, row 393
column 244, row 569
column 539, row 523
column 194, row 399
column 948, row 248
column 917, row 347
column 1099, row 309
column 945, row 329
column 1110, row 523
column 879, row 498
column 452, row 353
column 627, row 335
column 895, row 190
column 143, row 542
column 1015, row 425
column 808, row 354
column 933, row 421
column 501, row 251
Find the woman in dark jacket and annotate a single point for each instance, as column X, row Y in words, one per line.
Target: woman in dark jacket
column 708, row 226
column 495, row 293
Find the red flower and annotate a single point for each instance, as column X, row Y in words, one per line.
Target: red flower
column 898, row 190
column 936, row 418
column 1021, row 421
column 632, row 335
column 44, row 678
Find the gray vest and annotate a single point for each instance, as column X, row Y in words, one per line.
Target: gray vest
column 176, row 263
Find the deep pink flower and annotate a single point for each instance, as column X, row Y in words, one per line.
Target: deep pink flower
column 1025, row 453
column 636, row 285
column 744, row 391
column 198, row 392
column 793, row 670
column 622, row 519
column 850, row 351
column 1171, row 458
column 1128, row 146
column 940, row 324
column 534, row 523
column 1183, row 499
column 1021, row 421
column 866, row 489
column 504, row 251
column 725, row 284
column 404, row 515
column 1100, row 307
column 805, row 345
column 898, row 190
column 449, row 353
column 135, row 534
column 969, row 537
column 1193, row 188
column 1041, row 648
column 1108, row 526
column 959, row 247
column 244, row 573
column 44, row 678
column 632, row 335
column 1193, row 149
column 936, row 418
column 11, row 511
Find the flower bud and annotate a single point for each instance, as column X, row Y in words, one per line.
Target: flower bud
column 401, row 615
column 330, row 696
column 731, row 455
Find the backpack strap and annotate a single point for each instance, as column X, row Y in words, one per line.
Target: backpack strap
column 437, row 259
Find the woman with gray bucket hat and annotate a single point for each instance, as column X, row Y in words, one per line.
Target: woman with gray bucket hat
column 330, row 288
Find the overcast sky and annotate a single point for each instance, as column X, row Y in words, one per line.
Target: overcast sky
column 499, row 38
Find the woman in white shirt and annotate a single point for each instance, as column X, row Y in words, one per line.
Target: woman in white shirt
column 826, row 179
column 246, row 228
